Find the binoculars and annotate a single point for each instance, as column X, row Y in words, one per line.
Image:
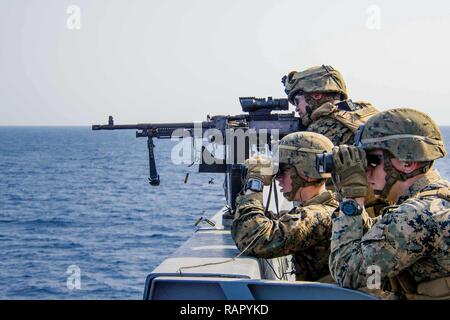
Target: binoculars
column 324, row 162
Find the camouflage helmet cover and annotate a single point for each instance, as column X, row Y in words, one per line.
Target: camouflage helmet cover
column 316, row 79
column 299, row 149
column 408, row 134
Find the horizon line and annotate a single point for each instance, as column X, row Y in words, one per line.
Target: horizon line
column 90, row 125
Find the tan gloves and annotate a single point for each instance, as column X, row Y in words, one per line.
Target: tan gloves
column 260, row 168
column 350, row 167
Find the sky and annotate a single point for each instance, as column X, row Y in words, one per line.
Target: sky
column 77, row 62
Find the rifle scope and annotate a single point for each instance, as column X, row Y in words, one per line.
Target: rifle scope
column 252, row 104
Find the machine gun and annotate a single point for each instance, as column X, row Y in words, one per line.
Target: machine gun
column 259, row 120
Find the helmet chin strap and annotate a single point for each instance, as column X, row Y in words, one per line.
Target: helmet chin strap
column 306, row 118
column 312, row 103
column 393, row 175
column 297, row 183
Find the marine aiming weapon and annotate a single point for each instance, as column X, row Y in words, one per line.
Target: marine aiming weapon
column 232, row 132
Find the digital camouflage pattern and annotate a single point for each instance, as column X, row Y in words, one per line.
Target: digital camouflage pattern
column 299, row 149
column 334, row 130
column 338, row 125
column 323, row 78
column 303, row 232
column 387, row 129
column 412, row 237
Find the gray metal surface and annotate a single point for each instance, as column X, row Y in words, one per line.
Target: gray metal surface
column 210, row 288
column 209, row 266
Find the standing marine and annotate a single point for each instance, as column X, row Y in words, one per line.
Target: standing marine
column 321, row 100
column 304, row 231
column 406, row 249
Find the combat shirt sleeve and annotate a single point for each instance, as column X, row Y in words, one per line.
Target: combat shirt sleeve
column 269, row 236
column 393, row 243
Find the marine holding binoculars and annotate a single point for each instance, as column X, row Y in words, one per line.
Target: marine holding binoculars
column 409, row 243
column 303, row 232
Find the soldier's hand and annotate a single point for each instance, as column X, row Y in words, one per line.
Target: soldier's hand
column 260, row 168
column 350, row 166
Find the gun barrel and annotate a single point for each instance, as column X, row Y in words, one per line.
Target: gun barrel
column 153, row 126
column 116, row 127
column 143, row 126
column 157, row 130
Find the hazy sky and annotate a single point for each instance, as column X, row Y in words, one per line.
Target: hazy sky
column 166, row 61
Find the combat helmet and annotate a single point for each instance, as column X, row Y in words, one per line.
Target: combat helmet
column 405, row 134
column 298, row 150
column 323, row 79
column 408, row 134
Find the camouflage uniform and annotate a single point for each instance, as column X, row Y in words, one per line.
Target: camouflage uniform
column 303, row 232
column 337, row 125
column 410, row 241
column 413, row 236
column 337, row 122
column 334, row 130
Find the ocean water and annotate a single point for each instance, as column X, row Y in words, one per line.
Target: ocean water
column 70, row 196
column 73, row 196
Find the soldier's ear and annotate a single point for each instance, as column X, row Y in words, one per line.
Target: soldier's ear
column 317, row 96
column 408, row 167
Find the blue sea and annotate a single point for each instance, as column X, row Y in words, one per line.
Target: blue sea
column 70, row 196
column 75, row 198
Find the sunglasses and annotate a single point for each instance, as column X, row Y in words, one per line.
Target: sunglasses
column 374, row 160
column 297, row 97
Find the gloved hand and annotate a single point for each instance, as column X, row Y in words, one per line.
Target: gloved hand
column 350, row 166
column 260, row 168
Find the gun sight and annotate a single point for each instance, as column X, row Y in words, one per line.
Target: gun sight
column 252, row 104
